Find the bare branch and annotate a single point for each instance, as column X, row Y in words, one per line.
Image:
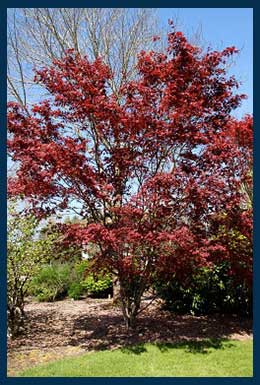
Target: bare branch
column 36, row 36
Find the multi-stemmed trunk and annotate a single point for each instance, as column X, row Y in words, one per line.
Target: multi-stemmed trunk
column 130, row 302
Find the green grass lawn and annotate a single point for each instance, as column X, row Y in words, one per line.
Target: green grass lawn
column 208, row 358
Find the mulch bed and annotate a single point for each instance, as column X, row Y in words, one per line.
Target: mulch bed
column 63, row 328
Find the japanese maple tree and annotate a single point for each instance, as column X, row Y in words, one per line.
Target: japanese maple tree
column 150, row 168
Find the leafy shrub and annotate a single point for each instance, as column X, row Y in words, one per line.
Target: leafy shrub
column 52, row 282
column 75, row 290
column 80, row 268
column 98, row 285
column 208, row 291
column 90, row 283
column 56, row 281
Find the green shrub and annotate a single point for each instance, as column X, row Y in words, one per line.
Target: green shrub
column 58, row 280
column 96, row 285
column 75, row 290
column 51, row 282
column 90, row 283
column 208, row 291
column 80, row 269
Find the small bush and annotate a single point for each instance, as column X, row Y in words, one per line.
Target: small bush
column 97, row 286
column 92, row 284
column 52, row 282
column 75, row 290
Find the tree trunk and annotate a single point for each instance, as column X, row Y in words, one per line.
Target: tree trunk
column 116, row 290
column 130, row 305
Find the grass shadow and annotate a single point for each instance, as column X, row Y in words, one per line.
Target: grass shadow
column 134, row 349
column 201, row 347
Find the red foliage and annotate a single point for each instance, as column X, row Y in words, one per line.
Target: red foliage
column 151, row 168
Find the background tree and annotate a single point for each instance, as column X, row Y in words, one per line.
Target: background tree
column 36, row 36
column 60, row 252
column 148, row 168
column 25, row 254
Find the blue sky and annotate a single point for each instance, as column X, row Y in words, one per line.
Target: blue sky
column 221, row 27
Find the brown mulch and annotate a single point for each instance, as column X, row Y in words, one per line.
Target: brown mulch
column 58, row 329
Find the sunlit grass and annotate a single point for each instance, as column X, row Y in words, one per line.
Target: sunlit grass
column 208, row 358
